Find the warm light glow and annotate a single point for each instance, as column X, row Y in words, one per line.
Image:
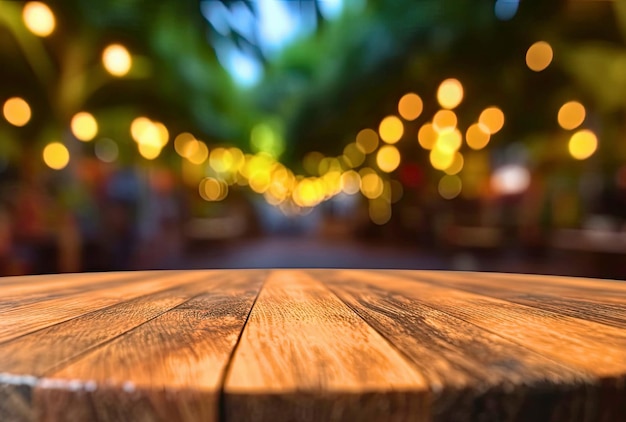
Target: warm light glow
column 211, row 189
column 583, row 144
column 38, row 18
column 117, row 60
column 198, row 153
column 539, row 56
column 410, row 106
column 510, row 179
column 56, row 156
column 182, row 143
column 571, row 115
column 164, row 134
column 16, row 111
column 391, row 129
column 444, row 119
column 371, row 184
column 379, row 211
column 427, row 136
column 308, row 193
column 449, row 141
column 388, row 158
column 353, row 155
column 106, row 150
column 440, row 160
column 84, row 126
column 350, row 182
column 457, row 164
column 450, row 93
column 329, row 164
column 491, row 120
column 450, row 186
column 476, row 137
column 367, row 140
column 149, row 151
column 397, row 191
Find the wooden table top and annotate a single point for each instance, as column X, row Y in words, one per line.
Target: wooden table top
column 311, row 345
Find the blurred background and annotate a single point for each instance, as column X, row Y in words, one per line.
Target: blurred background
column 433, row 134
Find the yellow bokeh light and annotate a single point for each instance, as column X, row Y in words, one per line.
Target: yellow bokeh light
column 450, row 186
column 457, row 164
column 367, row 140
column 449, row 141
column 539, row 56
column 491, row 120
column 211, row 189
column 84, row 126
column 56, row 155
column 371, row 185
column 199, row 152
column 307, row 193
column 38, row 18
column 149, row 151
column 440, row 160
column 427, row 136
column 583, row 144
column 329, row 164
column 350, row 182
column 391, row 129
column 164, row 134
column 16, row 111
column 353, row 155
column 388, row 158
column 444, row 120
column 410, row 106
column 181, row 143
column 571, row 115
column 116, row 60
column 379, row 211
column 220, row 160
column 450, row 93
column 476, row 137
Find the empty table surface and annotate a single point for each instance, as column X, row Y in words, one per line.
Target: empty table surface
column 327, row 345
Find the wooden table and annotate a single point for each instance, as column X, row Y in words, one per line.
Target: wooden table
column 311, row 345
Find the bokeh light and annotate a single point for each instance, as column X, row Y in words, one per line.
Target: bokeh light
column 311, row 162
column 16, row 111
column 410, row 106
column 84, row 126
column 391, row 129
column 510, row 179
column 198, row 153
column 106, row 150
column 583, row 144
column 449, row 141
column 38, row 18
column 539, row 56
column 183, row 143
column 439, row 159
column 444, row 119
column 379, row 211
column 367, row 140
column 148, row 151
column 353, row 155
column 211, row 189
column 457, row 164
column 491, row 120
column 450, row 93
column 350, row 182
column 371, row 184
column 427, row 136
column 449, row 187
column 476, row 137
column 116, row 60
column 506, row 9
column 388, row 158
column 571, row 115
column 56, row 155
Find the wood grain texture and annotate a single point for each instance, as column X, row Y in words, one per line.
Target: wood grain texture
column 169, row 368
column 25, row 318
column 304, row 355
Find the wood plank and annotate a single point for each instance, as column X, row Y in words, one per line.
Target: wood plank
column 169, row 368
column 539, row 293
column 304, row 355
column 24, row 319
column 594, row 350
column 471, row 371
column 41, row 288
